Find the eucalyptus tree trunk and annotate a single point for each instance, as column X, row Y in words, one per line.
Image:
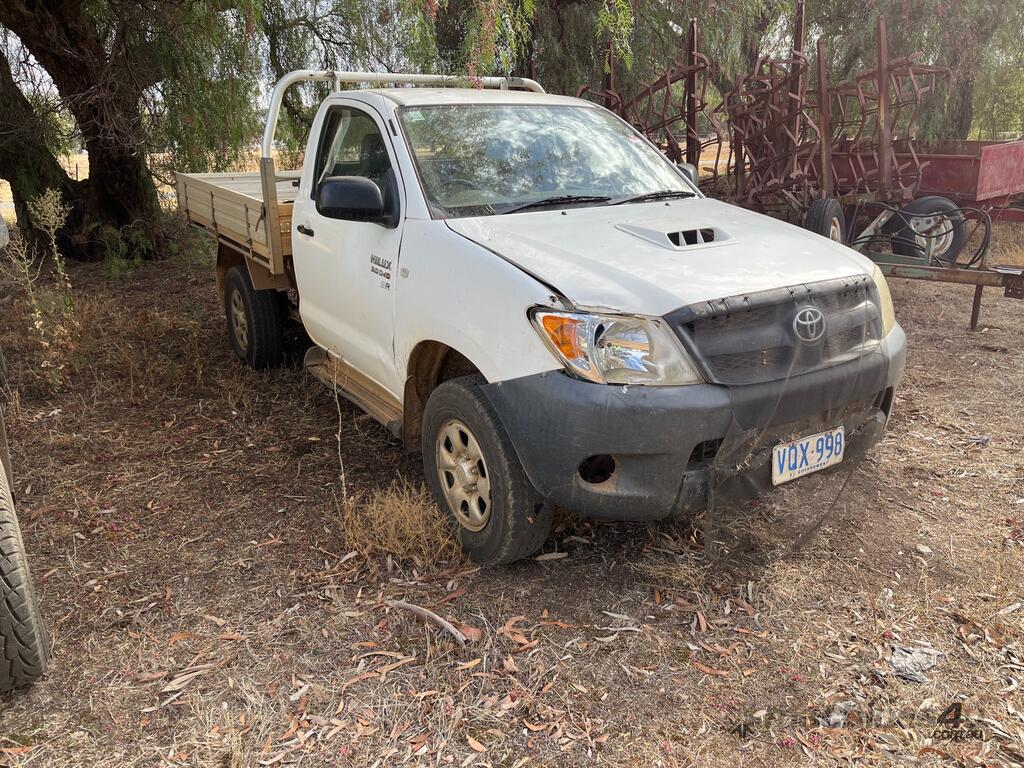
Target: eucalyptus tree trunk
column 27, row 164
column 103, row 92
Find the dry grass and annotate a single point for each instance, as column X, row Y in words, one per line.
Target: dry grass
column 212, row 606
column 401, row 521
column 1007, row 244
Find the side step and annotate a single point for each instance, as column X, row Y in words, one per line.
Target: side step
column 355, row 387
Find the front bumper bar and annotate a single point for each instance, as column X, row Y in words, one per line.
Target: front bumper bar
column 556, row 422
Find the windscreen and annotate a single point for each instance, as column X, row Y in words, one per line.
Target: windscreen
column 481, row 159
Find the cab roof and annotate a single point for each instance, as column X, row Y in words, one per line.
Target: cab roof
column 419, row 96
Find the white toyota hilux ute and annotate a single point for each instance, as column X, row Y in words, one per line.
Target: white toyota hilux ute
column 523, row 288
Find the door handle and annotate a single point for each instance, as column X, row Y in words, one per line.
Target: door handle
column 304, row 230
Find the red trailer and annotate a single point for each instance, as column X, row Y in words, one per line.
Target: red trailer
column 976, row 174
column 973, row 174
column 986, row 175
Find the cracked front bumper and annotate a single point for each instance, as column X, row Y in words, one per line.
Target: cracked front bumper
column 660, row 438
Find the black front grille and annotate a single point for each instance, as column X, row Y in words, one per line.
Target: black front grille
column 752, row 338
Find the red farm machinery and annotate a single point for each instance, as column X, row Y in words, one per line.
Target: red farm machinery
column 842, row 159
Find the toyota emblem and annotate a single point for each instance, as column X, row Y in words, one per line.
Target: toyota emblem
column 809, row 324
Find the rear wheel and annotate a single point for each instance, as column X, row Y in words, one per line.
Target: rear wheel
column 255, row 320
column 476, row 478
column 23, row 642
column 928, row 221
column 825, row 216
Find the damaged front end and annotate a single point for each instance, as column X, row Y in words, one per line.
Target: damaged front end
column 778, row 367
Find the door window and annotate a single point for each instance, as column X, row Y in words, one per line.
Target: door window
column 352, row 145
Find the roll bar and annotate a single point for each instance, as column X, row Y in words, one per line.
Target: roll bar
column 271, row 216
column 377, row 78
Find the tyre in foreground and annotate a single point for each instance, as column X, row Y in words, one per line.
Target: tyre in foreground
column 23, row 641
column 475, row 476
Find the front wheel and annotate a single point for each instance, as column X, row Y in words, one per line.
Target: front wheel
column 476, row 478
column 23, row 642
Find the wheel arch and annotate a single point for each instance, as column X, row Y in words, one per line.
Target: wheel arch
column 430, row 363
column 229, row 256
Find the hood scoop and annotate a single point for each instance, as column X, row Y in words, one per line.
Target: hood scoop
column 692, row 237
column 678, row 239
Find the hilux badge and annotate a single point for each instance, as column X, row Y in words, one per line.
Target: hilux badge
column 809, row 324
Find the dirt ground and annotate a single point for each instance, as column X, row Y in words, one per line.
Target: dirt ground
column 189, row 527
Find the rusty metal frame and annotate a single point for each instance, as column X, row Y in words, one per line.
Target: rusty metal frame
column 790, row 144
column 671, row 118
column 1010, row 279
column 874, row 119
column 787, row 137
column 775, row 153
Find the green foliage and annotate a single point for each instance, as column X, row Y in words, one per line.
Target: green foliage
column 203, row 66
column 1001, row 94
column 978, row 40
column 999, row 87
column 203, row 115
column 59, row 130
column 615, row 24
column 121, row 249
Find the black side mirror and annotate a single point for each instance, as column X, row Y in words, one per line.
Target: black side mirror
column 354, row 198
column 689, row 170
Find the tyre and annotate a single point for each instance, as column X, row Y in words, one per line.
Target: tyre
column 825, row 216
column 255, row 320
column 23, row 641
column 476, row 478
column 910, row 230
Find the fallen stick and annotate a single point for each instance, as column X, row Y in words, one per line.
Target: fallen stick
column 426, row 615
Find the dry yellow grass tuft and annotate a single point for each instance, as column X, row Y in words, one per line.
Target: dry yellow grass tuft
column 1007, row 243
column 403, row 521
column 683, row 576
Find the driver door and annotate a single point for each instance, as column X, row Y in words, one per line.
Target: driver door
column 345, row 269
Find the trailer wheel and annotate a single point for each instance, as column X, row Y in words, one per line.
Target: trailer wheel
column 825, row 216
column 475, row 476
column 931, row 218
column 255, row 320
column 24, row 646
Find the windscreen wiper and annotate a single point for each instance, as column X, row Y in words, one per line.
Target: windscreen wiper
column 661, row 194
column 544, row 202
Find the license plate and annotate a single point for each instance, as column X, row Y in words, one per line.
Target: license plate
column 807, row 454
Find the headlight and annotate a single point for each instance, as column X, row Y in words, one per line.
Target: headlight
column 884, row 301
column 616, row 349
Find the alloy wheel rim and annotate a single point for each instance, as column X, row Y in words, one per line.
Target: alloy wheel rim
column 239, row 321
column 464, row 475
